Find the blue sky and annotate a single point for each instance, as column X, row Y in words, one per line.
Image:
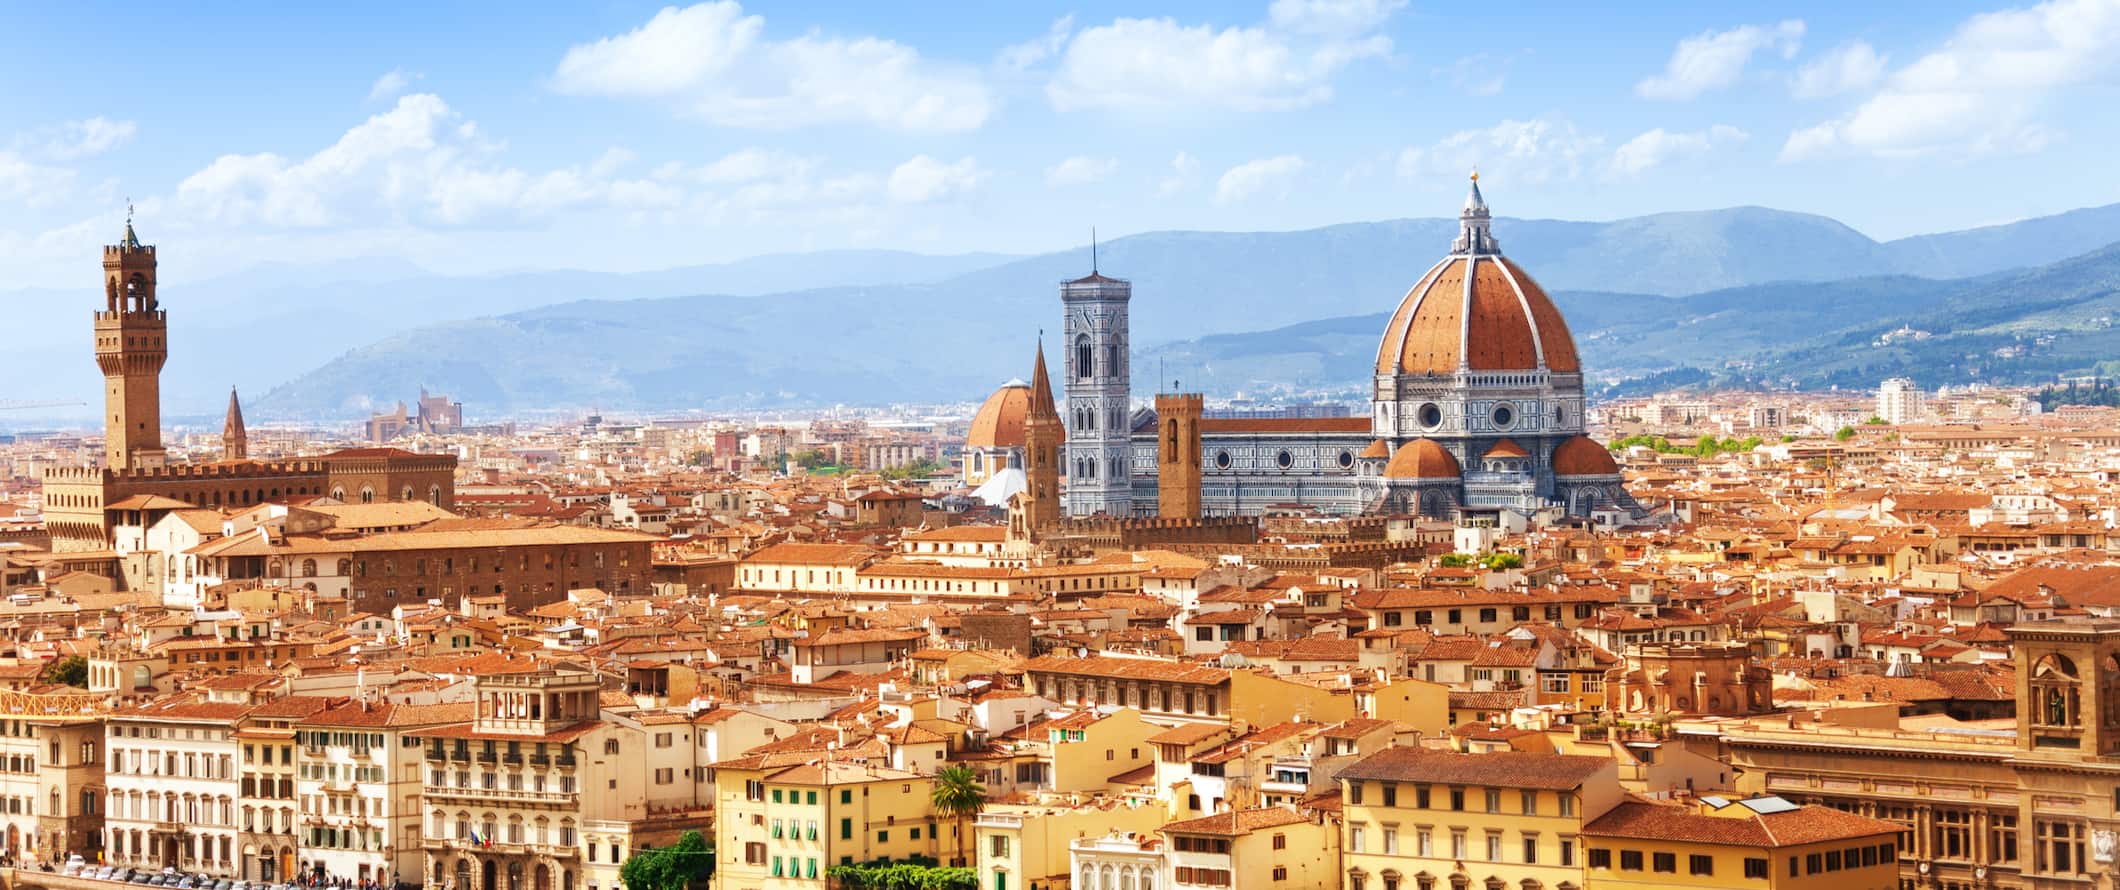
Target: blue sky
column 473, row 137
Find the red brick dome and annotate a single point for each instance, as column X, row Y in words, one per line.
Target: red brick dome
column 999, row 423
column 1582, row 456
column 1476, row 310
column 1422, row 459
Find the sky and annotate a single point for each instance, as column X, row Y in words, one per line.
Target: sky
column 478, row 137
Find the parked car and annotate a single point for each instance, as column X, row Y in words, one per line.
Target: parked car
column 73, row 865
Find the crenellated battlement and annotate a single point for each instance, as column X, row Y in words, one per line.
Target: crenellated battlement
column 114, row 251
column 233, row 470
column 1119, row 524
column 158, row 316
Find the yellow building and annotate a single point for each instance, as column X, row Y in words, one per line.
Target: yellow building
column 1417, row 818
column 1270, row 847
column 1087, row 748
column 1025, row 847
column 1171, row 692
column 1418, row 703
column 783, row 819
column 1764, row 842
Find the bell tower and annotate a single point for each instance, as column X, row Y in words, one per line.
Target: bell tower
column 131, row 346
column 235, row 440
column 1178, row 455
column 1043, row 438
column 1099, row 440
column 2068, row 688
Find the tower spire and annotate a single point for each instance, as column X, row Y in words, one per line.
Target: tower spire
column 235, row 440
column 1474, row 235
column 1092, row 259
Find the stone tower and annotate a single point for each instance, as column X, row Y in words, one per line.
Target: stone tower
column 1178, row 455
column 2068, row 688
column 131, row 346
column 235, row 441
column 1043, row 439
column 1099, row 454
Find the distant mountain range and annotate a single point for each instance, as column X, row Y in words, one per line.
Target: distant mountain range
column 2023, row 326
column 1732, row 294
column 261, row 327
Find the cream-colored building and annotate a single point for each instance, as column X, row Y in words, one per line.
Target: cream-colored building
column 506, row 795
column 1026, row 846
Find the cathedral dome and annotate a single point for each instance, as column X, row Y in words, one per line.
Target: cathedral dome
column 1377, row 449
column 1476, row 310
column 1582, row 456
column 1422, row 459
column 1507, row 448
column 999, row 423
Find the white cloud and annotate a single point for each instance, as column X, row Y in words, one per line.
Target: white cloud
column 924, row 179
column 712, row 60
column 1981, row 91
column 1659, row 146
column 1712, row 60
column 1253, row 177
column 1023, row 56
column 1336, row 17
column 1184, row 171
column 1080, row 170
column 1529, row 152
column 1856, row 66
column 392, row 84
column 30, row 183
column 74, row 140
column 418, row 162
column 1159, row 64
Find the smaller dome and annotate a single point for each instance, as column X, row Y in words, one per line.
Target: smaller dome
column 1582, row 456
column 999, row 423
column 1422, row 459
column 1507, row 448
column 1377, row 449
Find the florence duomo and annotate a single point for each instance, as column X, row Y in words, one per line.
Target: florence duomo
column 1649, row 446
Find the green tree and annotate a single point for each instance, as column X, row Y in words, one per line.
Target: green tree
column 1455, row 560
column 1844, row 433
column 71, row 670
column 958, row 795
column 1875, row 421
column 1500, row 561
column 674, row 867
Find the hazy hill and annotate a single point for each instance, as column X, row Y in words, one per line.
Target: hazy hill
column 260, row 327
column 872, row 325
column 2017, row 327
column 1763, row 283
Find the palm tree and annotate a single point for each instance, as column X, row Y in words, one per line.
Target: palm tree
column 958, row 794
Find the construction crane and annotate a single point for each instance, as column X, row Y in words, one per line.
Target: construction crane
column 19, row 405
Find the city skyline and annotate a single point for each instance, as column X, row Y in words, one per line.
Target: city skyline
column 631, row 137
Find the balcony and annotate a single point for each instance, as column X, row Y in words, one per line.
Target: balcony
column 540, row 760
column 502, row 794
column 566, row 761
column 485, row 757
column 512, row 757
column 998, row 820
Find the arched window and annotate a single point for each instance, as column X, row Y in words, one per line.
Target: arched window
column 1085, row 360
